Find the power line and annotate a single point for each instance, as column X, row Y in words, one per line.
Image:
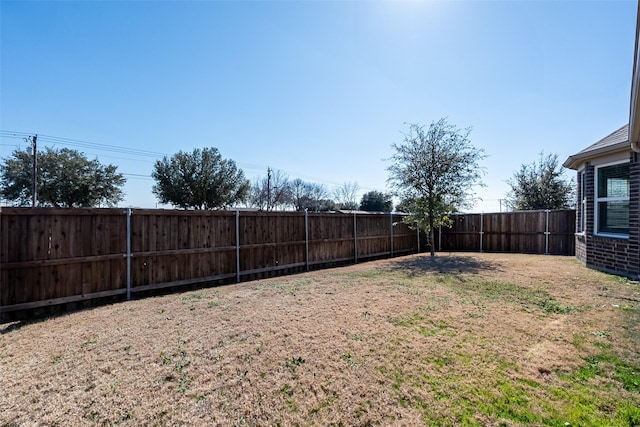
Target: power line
column 138, row 176
column 105, row 147
column 84, row 144
column 121, row 158
column 9, row 134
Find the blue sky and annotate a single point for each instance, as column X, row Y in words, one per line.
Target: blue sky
column 319, row 90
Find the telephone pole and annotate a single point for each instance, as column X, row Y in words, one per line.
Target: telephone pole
column 268, row 189
column 34, row 189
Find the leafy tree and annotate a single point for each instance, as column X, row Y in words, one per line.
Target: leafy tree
column 201, row 179
column 65, row 178
column 403, row 206
column 347, row 195
column 433, row 171
column 540, row 185
column 375, row 201
column 324, row 205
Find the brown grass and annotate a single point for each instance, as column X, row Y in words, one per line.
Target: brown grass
column 475, row 339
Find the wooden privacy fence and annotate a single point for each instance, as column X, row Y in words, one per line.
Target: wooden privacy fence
column 532, row 232
column 50, row 257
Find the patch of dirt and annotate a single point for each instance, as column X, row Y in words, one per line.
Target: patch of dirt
column 377, row 343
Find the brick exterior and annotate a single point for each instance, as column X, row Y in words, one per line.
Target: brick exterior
column 619, row 256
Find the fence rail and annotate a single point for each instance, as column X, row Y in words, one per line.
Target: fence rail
column 50, row 257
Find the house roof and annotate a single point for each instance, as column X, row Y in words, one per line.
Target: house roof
column 615, row 141
column 620, row 135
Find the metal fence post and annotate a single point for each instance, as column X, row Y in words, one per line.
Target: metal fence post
column 355, row 239
column 237, row 245
column 481, row 232
column 306, row 237
column 128, row 254
column 546, row 234
column 391, row 232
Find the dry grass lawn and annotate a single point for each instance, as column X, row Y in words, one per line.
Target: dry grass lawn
column 462, row 339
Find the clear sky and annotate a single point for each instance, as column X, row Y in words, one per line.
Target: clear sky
column 317, row 89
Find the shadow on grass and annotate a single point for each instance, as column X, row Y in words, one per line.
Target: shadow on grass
column 7, row 327
column 443, row 263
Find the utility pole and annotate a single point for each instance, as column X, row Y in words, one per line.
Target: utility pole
column 34, row 189
column 268, row 189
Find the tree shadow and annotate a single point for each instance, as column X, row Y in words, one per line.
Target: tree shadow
column 443, row 263
column 14, row 325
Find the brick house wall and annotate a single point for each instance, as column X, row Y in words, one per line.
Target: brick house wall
column 614, row 255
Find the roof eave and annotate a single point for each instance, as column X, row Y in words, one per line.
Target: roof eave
column 575, row 161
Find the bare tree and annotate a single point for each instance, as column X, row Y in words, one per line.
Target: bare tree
column 300, row 194
column 272, row 192
column 320, row 198
column 347, row 195
column 310, row 196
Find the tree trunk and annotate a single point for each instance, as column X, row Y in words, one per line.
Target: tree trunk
column 431, row 211
column 432, row 242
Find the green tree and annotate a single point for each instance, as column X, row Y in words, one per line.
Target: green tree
column 403, row 206
column 375, row 201
column 433, row 172
column 540, row 185
column 201, row 179
column 65, row 178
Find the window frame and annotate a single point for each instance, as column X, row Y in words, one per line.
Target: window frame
column 597, row 200
column 582, row 202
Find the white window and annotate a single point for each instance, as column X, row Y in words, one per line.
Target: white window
column 612, row 200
